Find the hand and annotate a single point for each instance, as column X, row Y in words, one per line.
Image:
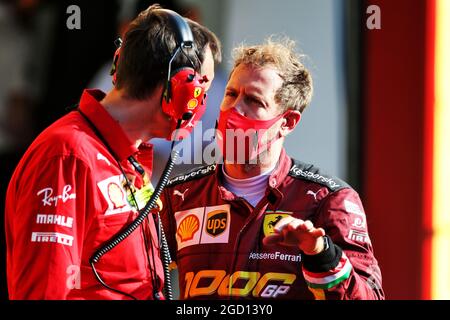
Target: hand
column 290, row 231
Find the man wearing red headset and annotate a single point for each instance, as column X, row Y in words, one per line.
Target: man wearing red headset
column 84, row 178
column 270, row 227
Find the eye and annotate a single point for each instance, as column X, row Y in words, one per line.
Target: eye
column 230, row 93
column 254, row 100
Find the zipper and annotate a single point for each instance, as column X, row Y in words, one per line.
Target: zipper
column 254, row 212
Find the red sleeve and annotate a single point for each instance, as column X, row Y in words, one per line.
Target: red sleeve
column 45, row 223
column 168, row 223
column 348, row 269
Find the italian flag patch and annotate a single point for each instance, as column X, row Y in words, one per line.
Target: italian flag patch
column 329, row 279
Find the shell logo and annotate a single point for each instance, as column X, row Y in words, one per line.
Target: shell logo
column 116, row 195
column 192, row 104
column 188, row 227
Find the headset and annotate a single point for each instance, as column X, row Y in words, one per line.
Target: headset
column 184, row 101
column 184, row 95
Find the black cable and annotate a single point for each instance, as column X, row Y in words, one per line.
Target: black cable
column 154, row 275
column 118, row 238
column 139, row 219
column 106, row 286
column 155, row 279
column 142, row 215
column 141, row 171
column 167, row 260
column 164, row 247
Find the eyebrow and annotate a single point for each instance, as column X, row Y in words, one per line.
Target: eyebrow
column 253, row 92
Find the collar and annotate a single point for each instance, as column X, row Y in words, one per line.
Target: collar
column 281, row 170
column 109, row 128
column 145, row 156
column 277, row 177
column 252, row 189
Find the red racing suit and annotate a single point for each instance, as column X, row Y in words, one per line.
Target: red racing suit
column 68, row 195
column 216, row 237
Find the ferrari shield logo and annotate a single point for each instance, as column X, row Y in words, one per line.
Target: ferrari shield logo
column 197, row 92
column 270, row 220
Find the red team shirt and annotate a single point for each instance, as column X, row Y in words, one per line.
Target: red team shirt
column 216, row 237
column 66, row 198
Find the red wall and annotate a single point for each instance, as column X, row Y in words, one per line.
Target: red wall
column 396, row 145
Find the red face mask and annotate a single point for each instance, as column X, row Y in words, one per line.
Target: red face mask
column 242, row 139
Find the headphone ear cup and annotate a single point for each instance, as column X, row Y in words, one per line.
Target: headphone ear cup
column 183, row 94
column 177, row 80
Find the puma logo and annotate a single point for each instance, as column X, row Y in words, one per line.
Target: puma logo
column 314, row 194
column 178, row 193
column 103, row 158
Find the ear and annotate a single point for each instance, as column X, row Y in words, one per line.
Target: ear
column 290, row 120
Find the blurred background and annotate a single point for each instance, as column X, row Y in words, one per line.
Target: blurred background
column 379, row 119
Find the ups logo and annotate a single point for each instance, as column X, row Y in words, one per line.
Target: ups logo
column 216, row 222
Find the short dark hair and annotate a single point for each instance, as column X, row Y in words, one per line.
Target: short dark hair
column 204, row 37
column 147, row 48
